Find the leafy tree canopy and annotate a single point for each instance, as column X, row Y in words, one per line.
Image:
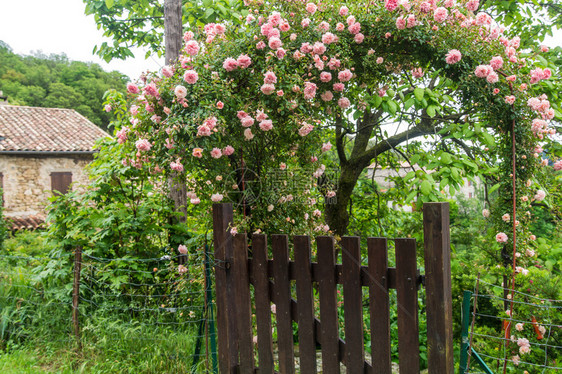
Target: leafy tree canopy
column 56, row 82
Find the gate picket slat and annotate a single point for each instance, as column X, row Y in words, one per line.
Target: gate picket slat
column 305, row 307
column 329, row 337
column 282, row 299
column 407, row 300
column 263, row 306
column 353, row 304
column 227, row 349
column 242, row 303
column 379, row 304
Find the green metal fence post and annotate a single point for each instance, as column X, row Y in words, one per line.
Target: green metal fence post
column 465, row 323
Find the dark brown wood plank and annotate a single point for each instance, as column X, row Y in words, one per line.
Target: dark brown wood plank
column 379, row 308
column 407, row 300
column 282, row 299
column 353, row 304
column 242, row 301
column 315, row 278
column 222, row 239
column 329, row 337
column 305, row 305
column 439, row 303
column 263, row 306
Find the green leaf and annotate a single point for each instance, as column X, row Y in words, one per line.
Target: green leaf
column 418, row 93
column 431, row 111
column 446, row 158
column 426, row 187
column 109, row 3
column 494, row 188
column 392, row 107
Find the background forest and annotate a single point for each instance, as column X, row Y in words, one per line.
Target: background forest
column 55, row 82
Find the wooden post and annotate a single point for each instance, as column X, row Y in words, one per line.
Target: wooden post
column 226, row 327
column 437, row 249
column 76, row 294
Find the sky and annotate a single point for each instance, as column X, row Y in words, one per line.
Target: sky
column 61, row 27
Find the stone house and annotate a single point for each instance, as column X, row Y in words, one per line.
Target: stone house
column 42, row 150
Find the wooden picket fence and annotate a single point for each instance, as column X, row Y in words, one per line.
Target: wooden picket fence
column 272, row 279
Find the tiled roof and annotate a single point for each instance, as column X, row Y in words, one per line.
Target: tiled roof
column 25, row 223
column 31, row 129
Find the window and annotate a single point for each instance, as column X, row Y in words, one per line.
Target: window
column 60, row 182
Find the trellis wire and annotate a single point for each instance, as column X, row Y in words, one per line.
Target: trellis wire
column 142, row 303
column 539, row 305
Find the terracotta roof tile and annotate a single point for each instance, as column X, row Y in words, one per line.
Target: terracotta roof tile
column 46, row 130
column 25, row 223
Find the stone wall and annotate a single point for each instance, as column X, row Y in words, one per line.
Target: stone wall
column 27, row 181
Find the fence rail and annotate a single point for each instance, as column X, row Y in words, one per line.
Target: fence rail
column 315, row 309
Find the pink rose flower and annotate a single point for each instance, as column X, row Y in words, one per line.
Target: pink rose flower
column 192, row 47
column 400, row 23
column 325, row 76
column 344, row 103
column 197, row 152
column 266, row 125
column 217, row 197
column 390, row 5
column 230, row 64
column 472, row 5
column 228, row 150
column 338, row 87
column 248, row 134
column 309, row 90
column 275, row 43
column 176, row 165
column 510, row 99
column 182, row 249
column 340, row 26
column 326, row 147
column 203, row 130
column 343, row 11
column 247, row 121
column 485, row 213
column 311, row 8
column 329, row 38
column 453, row 56
column 216, row 153
column 496, row 62
column 191, row 76
column 132, row 88
column 107, row 108
column 143, row 145
column 260, row 45
column 327, row 96
column 492, row 77
column 345, row 75
column 267, row 89
column 180, row 92
column 220, row 104
column 269, row 77
column 359, row 38
column 319, row 48
column 540, row 195
column 280, row 53
column 440, row 14
column 151, row 89
column 244, row 61
column 501, row 237
column 354, row 28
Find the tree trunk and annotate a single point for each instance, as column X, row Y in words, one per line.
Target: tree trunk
column 173, row 39
column 172, row 30
column 337, row 214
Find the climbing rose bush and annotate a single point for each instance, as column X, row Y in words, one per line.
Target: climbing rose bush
column 246, row 110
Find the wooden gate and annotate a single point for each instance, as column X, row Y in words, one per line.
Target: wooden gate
column 315, row 308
